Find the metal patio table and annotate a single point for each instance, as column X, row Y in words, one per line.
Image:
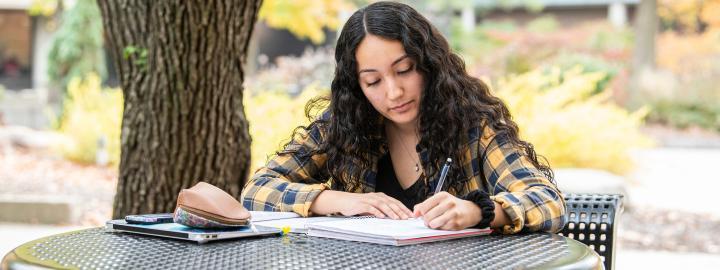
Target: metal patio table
column 99, row 248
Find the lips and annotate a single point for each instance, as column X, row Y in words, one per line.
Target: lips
column 401, row 108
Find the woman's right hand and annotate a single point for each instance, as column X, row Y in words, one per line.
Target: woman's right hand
column 350, row 204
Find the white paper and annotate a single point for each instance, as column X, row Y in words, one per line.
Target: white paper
column 257, row 216
column 386, row 228
column 296, row 225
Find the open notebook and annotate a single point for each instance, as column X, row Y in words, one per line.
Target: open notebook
column 295, row 225
column 386, row 231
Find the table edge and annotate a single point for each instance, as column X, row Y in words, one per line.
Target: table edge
column 580, row 257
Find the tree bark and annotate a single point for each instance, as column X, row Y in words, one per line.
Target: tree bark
column 180, row 67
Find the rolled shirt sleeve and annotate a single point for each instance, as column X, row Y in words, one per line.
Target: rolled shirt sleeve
column 531, row 201
column 289, row 182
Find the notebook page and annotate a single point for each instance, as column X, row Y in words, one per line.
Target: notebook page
column 296, row 225
column 256, row 216
column 384, row 228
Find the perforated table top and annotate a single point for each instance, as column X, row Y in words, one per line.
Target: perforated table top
column 100, row 248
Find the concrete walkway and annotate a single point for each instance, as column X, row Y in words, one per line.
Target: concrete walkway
column 684, row 179
column 636, row 259
column 14, row 234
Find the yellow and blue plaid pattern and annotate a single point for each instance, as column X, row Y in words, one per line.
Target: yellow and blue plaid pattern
column 290, row 182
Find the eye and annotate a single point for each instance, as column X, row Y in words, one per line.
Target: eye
column 373, row 83
column 405, row 70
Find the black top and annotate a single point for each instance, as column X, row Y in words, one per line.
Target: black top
column 387, row 183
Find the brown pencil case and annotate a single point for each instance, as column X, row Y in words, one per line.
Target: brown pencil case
column 206, row 206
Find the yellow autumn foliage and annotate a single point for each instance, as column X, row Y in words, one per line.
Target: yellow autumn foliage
column 690, row 14
column 272, row 117
column 304, row 18
column 89, row 114
column 557, row 112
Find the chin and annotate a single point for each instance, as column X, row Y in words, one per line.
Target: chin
column 403, row 119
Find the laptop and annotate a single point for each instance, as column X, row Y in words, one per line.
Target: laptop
column 178, row 231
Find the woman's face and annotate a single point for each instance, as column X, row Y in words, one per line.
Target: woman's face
column 389, row 79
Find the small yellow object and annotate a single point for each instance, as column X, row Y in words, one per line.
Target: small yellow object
column 285, row 229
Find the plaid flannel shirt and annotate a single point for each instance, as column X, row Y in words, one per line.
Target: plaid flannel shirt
column 290, row 182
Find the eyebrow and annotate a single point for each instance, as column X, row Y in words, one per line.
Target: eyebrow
column 393, row 63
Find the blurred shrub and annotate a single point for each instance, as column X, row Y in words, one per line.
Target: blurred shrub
column 497, row 49
column 610, row 39
column 43, row 7
column 272, row 116
column 687, row 114
column 557, row 112
column 293, row 74
column 77, row 47
column 91, row 113
column 588, row 64
column 479, row 41
column 691, row 95
column 544, row 24
column 688, row 53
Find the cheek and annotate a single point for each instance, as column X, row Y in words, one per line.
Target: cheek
column 417, row 84
column 374, row 97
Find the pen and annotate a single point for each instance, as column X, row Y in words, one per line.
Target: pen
column 443, row 175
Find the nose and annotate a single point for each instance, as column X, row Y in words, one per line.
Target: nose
column 394, row 90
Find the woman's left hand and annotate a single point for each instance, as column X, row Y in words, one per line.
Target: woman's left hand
column 446, row 212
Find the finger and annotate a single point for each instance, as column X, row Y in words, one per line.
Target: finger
column 406, row 211
column 423, row 207
column 398, row 210
column 403, row 210
column 374, row 211
column 365, row 209
column 397, row 206
column 446, row 221
column 438, row 210
column 452, row 225
column 386, row 209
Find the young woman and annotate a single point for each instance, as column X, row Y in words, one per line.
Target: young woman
column 401, row 104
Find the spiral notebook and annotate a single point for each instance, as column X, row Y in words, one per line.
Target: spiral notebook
column 387, row 231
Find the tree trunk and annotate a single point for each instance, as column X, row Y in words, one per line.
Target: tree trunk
column 643, row 63
column 180, row 67
column 646, row 27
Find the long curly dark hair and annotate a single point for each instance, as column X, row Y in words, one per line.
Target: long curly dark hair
column 452, row 101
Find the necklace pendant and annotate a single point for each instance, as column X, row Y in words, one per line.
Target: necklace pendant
column 417, row 168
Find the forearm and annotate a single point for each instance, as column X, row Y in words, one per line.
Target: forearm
column 326, row 203
column 276, row 194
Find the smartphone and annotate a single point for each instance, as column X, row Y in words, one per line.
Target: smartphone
column 147, row 219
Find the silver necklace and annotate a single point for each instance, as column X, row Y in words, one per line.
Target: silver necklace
column 417, row 163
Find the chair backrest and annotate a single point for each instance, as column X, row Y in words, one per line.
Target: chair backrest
column 591, row 220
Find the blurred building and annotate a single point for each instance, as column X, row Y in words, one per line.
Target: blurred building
column 568, row 12
column 24, row 45
column 16, row 44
